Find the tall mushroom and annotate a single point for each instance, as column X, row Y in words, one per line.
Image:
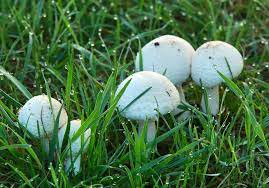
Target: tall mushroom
column 147, row 94
column 77, row 147
column 209, row 58
column 168, row 55
column 39, row 116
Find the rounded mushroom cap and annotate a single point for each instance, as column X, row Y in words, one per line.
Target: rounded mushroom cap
column 161, row 96
column 215, row 56
column 39, row 117
column 76, row 145
column 168, row 55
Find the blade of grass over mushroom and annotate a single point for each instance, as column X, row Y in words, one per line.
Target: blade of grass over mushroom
column 139, row 144
column 54, row 144
column 18, row 84
column 206, row 101
column 114, row 103
column 229, row 67
column 232, row 86
column 135, row 99
column 48, row 92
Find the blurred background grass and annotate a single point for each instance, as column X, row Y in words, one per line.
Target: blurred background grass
column 80, row 50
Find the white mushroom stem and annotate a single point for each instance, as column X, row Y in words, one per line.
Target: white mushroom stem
column 75, row 166
column 213, row 100
column 151, row 132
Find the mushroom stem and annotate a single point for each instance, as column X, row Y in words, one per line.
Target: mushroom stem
column 213, row 101
column 151, row 132
column 75, row 166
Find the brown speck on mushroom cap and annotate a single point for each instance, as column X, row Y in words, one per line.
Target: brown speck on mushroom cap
column 212, row 45
column 156, row 44
column 173, row 42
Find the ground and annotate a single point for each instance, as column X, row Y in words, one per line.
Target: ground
column 78, row 51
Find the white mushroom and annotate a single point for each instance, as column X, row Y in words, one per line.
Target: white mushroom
column 39, row 116
column 156, row 95
column 77, row 147
column 209, row 58
column 168, row 55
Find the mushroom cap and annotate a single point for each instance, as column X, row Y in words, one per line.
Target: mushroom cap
column 39, row 117
column 76, row 145
column 215, row 56
column 162, row 96
column 168, row 55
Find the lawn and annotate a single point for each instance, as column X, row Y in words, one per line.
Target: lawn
column 79, row 51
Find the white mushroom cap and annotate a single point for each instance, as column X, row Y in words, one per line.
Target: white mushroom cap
column 77, row 144
column 38, row 116
column 168, row 55
column 163, row 96
column 215, row 56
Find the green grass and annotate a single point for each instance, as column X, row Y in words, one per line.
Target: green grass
column 78, row 51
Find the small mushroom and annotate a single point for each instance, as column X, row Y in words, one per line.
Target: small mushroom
column 209, row 58
column 39, row 116
column 168, row 55
column 147, row 95
column 77, row 147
